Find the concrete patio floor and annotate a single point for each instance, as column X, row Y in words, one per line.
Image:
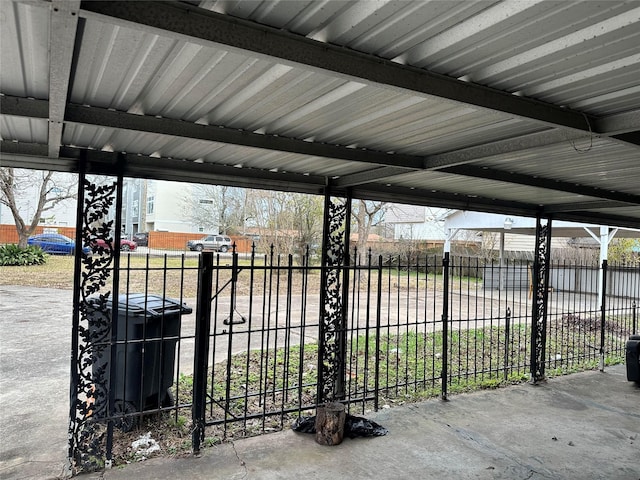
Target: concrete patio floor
column 585, row 425
column 580, row 426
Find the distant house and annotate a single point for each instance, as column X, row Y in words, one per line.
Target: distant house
column 413, row 222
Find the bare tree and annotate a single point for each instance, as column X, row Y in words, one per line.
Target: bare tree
column 18, row 186
column 366, row 214
column 289, row 221
column 214, row 207
column 306, row 220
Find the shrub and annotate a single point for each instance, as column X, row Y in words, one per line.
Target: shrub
column 14, row 255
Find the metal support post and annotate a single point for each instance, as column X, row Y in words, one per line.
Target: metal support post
column 540, row 279
column 93, row 325
column 333, row 300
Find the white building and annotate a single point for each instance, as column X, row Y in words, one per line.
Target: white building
column 169, row 205
column 413, row 222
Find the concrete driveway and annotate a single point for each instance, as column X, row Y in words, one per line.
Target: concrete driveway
column 35, row 352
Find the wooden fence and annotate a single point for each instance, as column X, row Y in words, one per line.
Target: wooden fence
column 157, row 240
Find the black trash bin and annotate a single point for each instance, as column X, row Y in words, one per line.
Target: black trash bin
column 147, row 334
column 633, row 358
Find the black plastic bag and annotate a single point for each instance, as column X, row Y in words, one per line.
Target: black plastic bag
column 304, row 425
column 353, row 426
column 361, row 427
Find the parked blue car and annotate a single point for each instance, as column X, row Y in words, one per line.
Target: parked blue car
column 55, row 243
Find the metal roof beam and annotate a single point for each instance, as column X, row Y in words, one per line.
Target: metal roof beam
column 203, row 27
column 21, row 155
column 629, row 137
column 34, row 156
column 369, row 176
column 597, row 218
column 9, row 148
column 396, row 194
column 32, row 160
column 512, row 145
column 619, row 123
column 395, row 164
column 583, row 206
column 548, row 183
column 465, row 156
column 63, row 26
column 24, row 107
column 452, row 162
column 165, row 126
column 472, row 203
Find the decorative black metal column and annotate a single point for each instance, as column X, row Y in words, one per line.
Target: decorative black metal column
column 333, row 300
column 91, row 401
column 540, row 280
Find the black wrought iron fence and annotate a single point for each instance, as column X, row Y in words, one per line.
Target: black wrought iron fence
column 246, row 359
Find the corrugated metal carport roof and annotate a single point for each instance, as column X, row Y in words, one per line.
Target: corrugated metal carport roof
column 519, row 107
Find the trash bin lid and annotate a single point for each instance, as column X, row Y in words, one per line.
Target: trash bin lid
column 151, row 304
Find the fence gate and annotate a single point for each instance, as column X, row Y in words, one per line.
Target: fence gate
column 254, row 344
column 258, row 355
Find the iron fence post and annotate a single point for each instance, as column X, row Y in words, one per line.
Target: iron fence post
column 507, row 335
column 230, row 323
column 200, row 366
column 341, row 379
column 635, row 318
column 445, row 324
column 378, row 320
column 602, row 313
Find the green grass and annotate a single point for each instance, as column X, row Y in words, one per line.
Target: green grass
column 265, row 384
column 409, row 369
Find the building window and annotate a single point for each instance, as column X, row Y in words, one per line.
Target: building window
column 150, row 204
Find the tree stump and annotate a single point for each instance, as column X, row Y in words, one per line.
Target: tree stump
column 330, row 420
